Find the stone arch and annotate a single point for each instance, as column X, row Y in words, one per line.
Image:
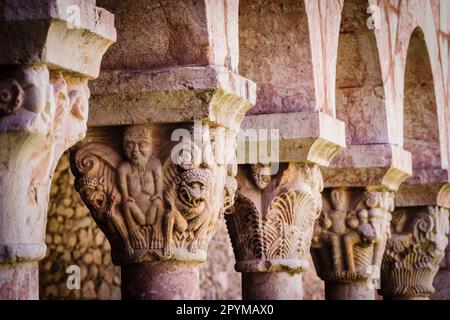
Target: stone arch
column 360, row 95
column 421, row 134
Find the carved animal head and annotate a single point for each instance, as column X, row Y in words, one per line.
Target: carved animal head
column 192, row 192
column 93, row 192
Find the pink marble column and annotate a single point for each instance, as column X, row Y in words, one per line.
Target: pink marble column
column 44, row 72
column 158, row 164
column 160, row 281
column 271, row 286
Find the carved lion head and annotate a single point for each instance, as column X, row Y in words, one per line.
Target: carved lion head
column 192, row 192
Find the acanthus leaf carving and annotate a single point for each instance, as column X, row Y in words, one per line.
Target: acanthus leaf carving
column 412, row 256
column 278, row 238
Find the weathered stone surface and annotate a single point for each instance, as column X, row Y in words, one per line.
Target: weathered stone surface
column 176, row 94
column 317, row 140
column 43, row 36
column 412, row 256
column 182, row 33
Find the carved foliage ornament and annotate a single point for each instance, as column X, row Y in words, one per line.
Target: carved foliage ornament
column 351, row 233
column 412, row 256
column 277, row 239
column 150, row 206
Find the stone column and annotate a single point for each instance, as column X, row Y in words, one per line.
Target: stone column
column 351, row 233
column 272, row 221
column 157, row 166
column 412, row 257
column 420, row 228
column 279, row 195
column 349, row 241
column 50, row 49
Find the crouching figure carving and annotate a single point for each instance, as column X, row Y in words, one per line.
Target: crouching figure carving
column 148, row 205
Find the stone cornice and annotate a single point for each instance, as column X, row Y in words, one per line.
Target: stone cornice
column 377, row 167
column 31, row 36
column 177, row 94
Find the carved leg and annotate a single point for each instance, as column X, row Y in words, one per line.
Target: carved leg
column 132, row 214
column 155, row 218
column 201, row 227
column 119, row 225
column 349, row 240
column 334, row 242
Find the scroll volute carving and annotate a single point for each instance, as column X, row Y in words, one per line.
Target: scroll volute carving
column 152, row 197
column 351, row 233
column 413, row 253
column 272, row 221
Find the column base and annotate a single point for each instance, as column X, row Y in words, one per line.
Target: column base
column 271, row 286
column 160, row 281
column 359, row 290
column 19, row 281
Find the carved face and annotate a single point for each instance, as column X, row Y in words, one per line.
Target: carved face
column 229, row 193
column 137, row 150
column 338, row 199
column 193, row 190
column 192, row 194
column 261, row 175
column 94, row 196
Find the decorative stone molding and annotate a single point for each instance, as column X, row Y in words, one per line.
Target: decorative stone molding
column 413, row 253
column 278, row 238
column 271, row 226
column 43, row 111
column 351, row 233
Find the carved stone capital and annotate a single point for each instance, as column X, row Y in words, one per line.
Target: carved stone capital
column 351, row 233
column 272, row 221
column 155, row 198
column 44, row 113
column 414, row 251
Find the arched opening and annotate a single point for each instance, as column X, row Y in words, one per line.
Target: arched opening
column 275, row 52
column 359, row 85
column 421, row 130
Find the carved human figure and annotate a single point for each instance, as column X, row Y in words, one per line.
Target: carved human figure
column 261, row 175
column 140, row 181
column 361, row 233
column 332, row 225
column 380, row 205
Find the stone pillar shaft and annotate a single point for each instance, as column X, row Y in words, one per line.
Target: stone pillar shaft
column 271, row 286
column 43, row 111
column 413, row 253
column 160, row 281
column 157, row 171
column 357, row 290
column 349, row 241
